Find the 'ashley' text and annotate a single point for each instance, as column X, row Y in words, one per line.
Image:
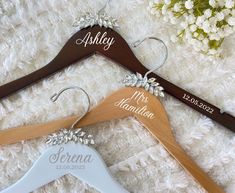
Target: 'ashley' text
column 99, row 39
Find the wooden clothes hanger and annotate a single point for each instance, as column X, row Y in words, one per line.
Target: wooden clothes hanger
column 137, row 102
column 69, row 154
column 119, row 51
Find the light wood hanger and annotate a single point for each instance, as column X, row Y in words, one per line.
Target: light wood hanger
column 158, row 126
column 120, row 53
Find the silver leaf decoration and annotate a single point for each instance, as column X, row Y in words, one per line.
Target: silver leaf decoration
column 90, row 19
column 150, row 85
column 63, row 136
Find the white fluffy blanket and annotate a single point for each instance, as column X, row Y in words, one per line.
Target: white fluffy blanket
column 32, row 33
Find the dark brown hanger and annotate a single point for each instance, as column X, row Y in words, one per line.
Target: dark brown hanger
column 121, row 53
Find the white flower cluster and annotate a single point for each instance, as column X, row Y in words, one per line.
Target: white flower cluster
column 202, row 23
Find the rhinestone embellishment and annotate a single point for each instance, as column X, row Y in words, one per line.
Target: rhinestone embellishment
column 150, row 85
column 64, row 136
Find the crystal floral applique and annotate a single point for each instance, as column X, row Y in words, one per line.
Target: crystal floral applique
column 137, row 80
column 90, row 19
column 63, row 136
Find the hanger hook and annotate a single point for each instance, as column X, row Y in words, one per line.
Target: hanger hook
column 55, row 96
column 103, row 8
column 138, row 42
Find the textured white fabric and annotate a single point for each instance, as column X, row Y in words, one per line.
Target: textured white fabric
column 32, row 33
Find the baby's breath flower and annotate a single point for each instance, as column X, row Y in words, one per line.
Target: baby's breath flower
column 220, row 16
column 191, row 19
column 167, row 2
column 208, row 13
column 202, row 23
column 226, row 12
column 193, row 28
column 212, row 3
column 177, row 7
column 231, row 21
column 229, row 4
column 184, row 25
column 189, row 4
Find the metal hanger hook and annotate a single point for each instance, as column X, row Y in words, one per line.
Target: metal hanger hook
column 55, row 96
column 138, row 42
column 103, row 8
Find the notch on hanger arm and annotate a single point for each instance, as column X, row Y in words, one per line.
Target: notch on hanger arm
column 120, row 53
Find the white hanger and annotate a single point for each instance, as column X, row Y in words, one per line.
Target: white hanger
column 72, row 158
